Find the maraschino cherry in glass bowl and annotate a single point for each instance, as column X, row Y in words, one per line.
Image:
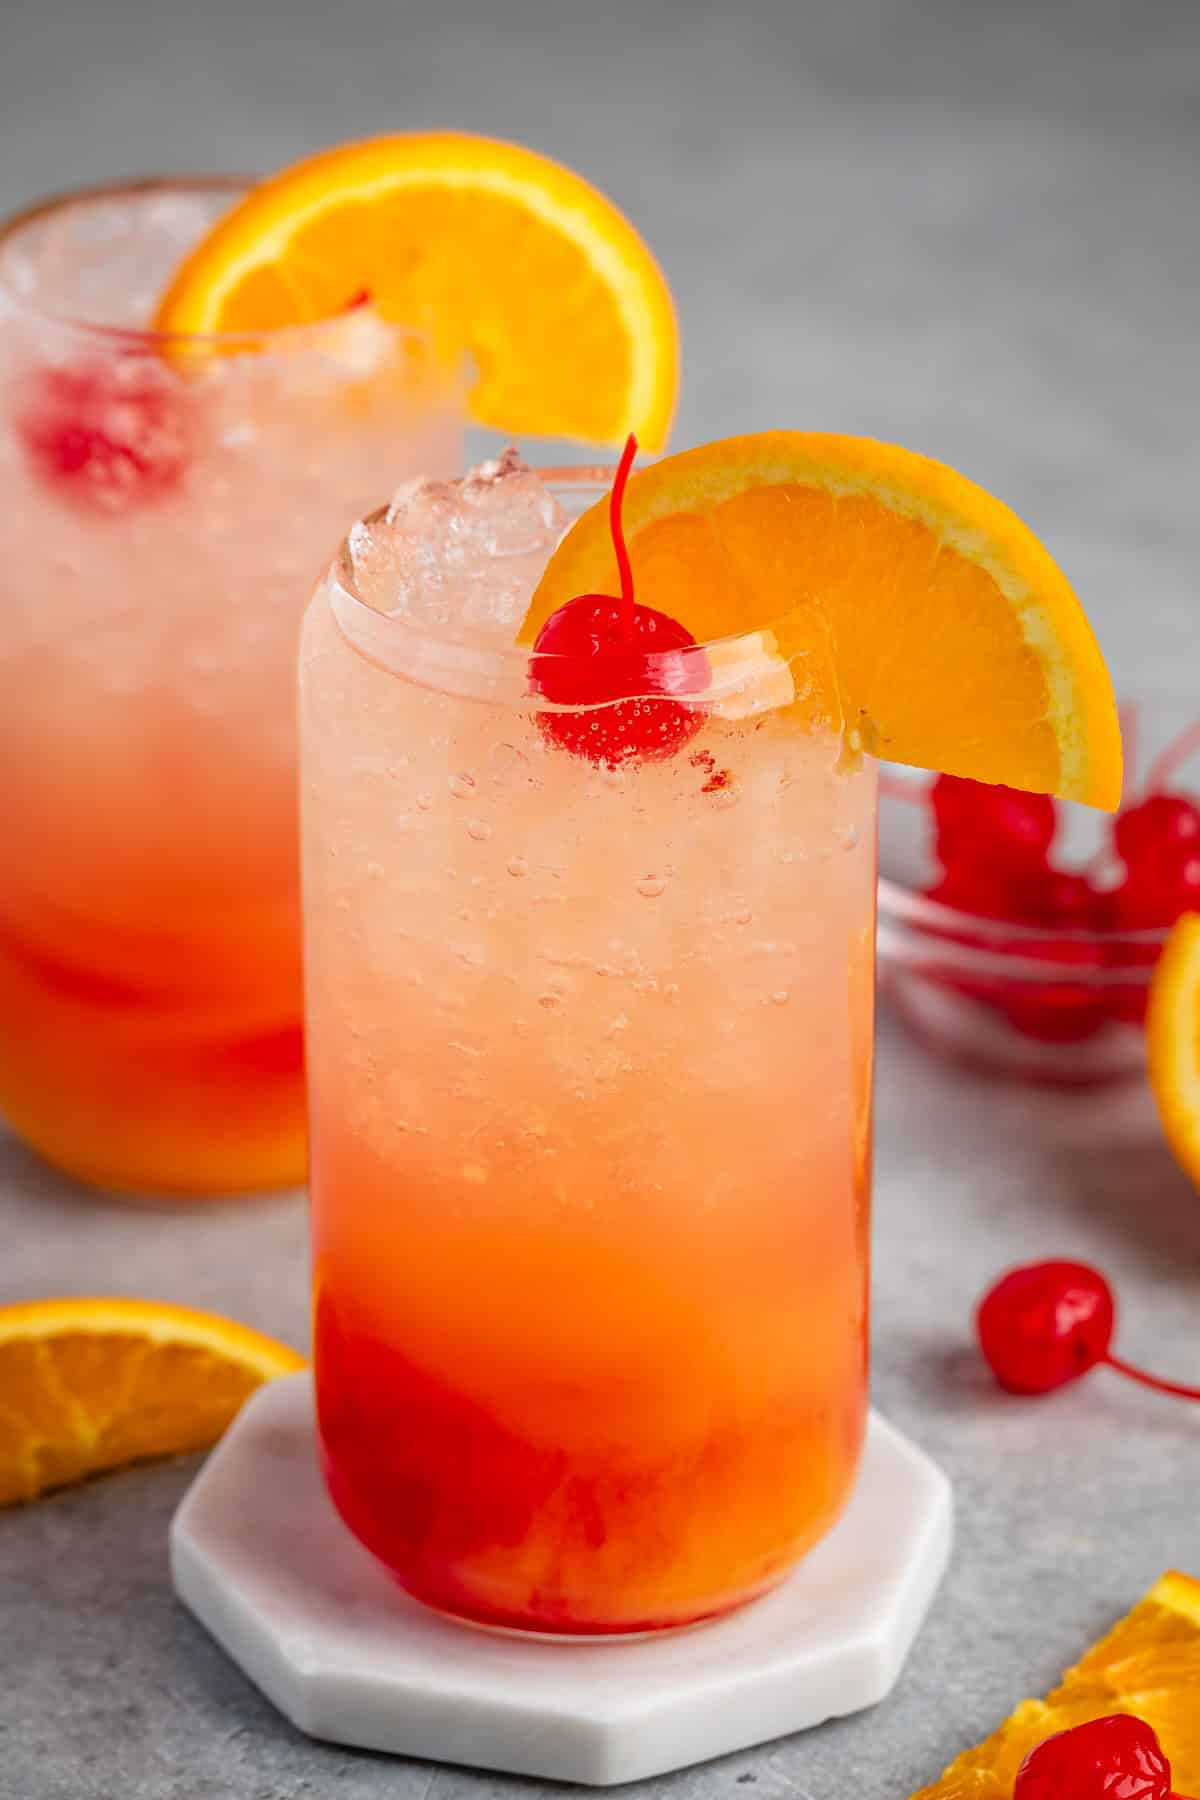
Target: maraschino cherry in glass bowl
column 1018, row 934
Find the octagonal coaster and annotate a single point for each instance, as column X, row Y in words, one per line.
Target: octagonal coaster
column 262, row 1559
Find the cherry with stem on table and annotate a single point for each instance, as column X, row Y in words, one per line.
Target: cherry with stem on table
column 1047, row 1324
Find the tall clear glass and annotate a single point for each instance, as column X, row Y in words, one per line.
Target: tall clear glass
column 165, row 506
column 590, row 1094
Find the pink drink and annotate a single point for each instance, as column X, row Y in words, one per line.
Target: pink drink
column 164, row 509
column 589, row 1067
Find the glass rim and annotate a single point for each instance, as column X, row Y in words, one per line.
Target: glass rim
column 399, row 646
column 591, row 479
column 147, row 337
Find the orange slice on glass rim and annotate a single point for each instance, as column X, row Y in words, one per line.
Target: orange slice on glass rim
column 954, row 640
column 502, row 255
column 87, row 1385
column 1147, row 1666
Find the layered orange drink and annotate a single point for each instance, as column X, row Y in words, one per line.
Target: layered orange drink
column 200, row 384
column 165, row 509
column 589, row 877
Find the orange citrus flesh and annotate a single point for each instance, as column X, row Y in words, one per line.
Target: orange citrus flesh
column 954, row 641
column 1173, row 1041
column 87, row 1385
column 502, row 255
column 1148, row 1665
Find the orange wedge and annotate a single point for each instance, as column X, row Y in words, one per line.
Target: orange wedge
column 955, row 640
column 1173, row 1041
column 1148, row 1665
column 88, row 1385
column 502, row 255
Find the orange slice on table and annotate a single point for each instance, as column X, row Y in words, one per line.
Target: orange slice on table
column 1173, row 1042
column 88, row 1385
column 1148, row 1666
column 504, row 256
column 954, row 640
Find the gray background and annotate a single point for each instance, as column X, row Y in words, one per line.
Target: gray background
column 968, row 227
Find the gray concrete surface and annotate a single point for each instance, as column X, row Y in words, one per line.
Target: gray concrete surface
column 971, row 228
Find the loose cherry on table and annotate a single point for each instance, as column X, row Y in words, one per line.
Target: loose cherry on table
column 1048, row 1323
column 1115, row 1758
column 620, row 666
column 106, row 434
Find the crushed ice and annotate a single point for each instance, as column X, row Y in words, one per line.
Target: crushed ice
column 460, row 555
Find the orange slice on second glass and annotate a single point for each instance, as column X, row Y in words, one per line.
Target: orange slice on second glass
column 88, row 1385
column 502, row 255
column 1147, row 1666
column 955, row 641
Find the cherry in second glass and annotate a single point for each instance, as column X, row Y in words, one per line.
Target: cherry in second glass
column 165, row 504
column 590, row 1010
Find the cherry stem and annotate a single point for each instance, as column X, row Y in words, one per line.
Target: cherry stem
column 1127, row 718
column 1172, row 758
column 616, row 500
column 1177, row 1388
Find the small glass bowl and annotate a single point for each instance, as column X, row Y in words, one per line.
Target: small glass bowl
column 1064, row 1007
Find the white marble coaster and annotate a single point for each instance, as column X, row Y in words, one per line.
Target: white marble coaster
column 262, row 1559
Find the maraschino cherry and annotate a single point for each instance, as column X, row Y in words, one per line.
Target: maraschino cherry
column 1114, row 1758
column 1157, row 839
column 1049, row 1323
column 620, row 666
column 1000, row 827
column 105, row 434
column 995, row 847
column 1162, row 822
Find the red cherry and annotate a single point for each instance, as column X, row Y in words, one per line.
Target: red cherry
column 623, row 663
column 1116, row 1758
column 595, row 652
column 996, row 825
column 106, row 434
column 1160, row 824
column 972, row 888
column 1048, row 1323
column 1024, row 895
column 1162, row 880
column 1055, row 897
column 1128, row 1001
column 1045, row 1325
column 1063, row 1010
column 1155, row 891
column 1127, row 909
